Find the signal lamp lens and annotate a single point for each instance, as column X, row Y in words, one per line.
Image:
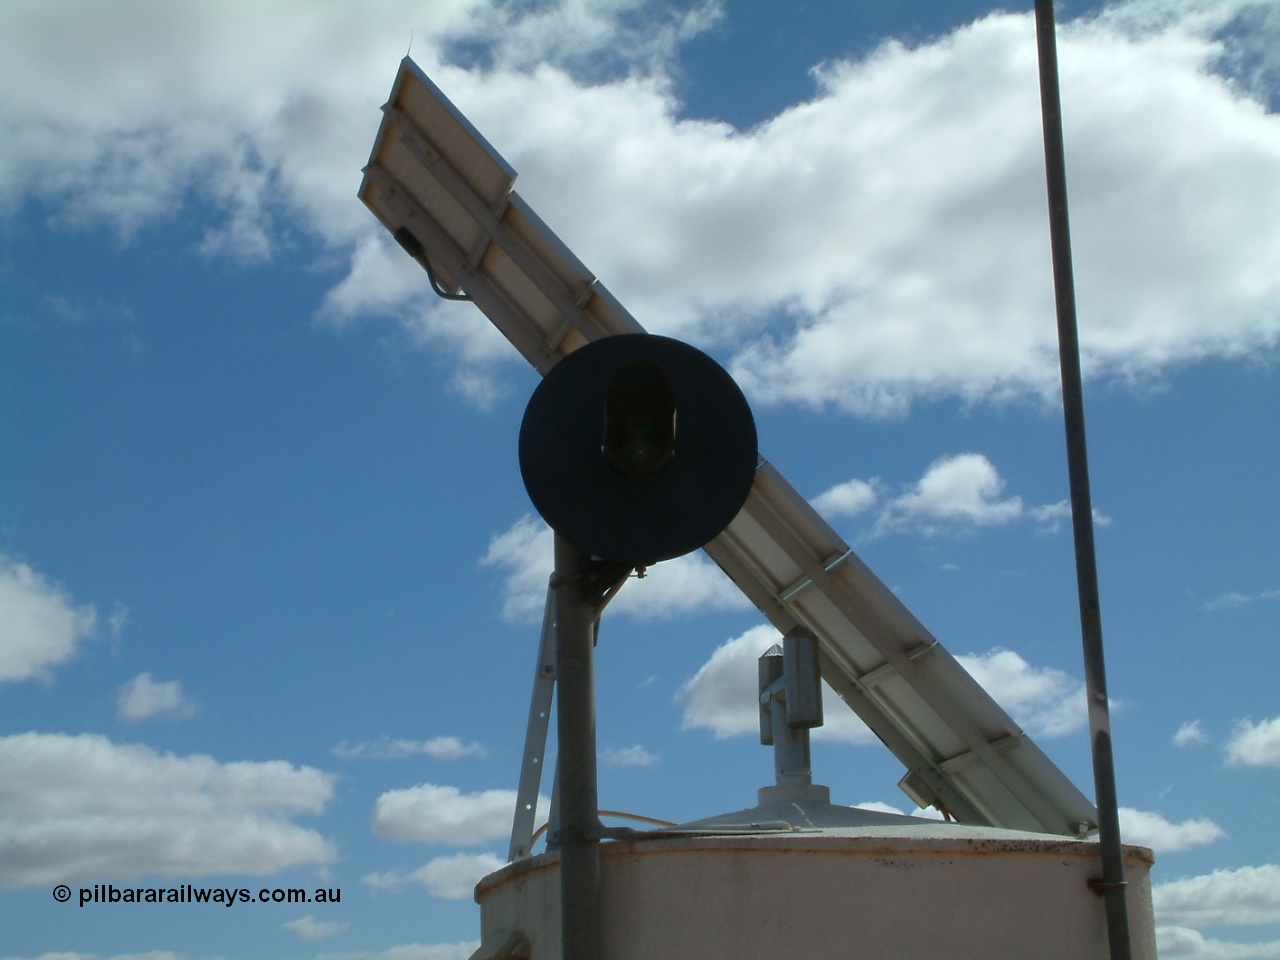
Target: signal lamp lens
column 639, row 417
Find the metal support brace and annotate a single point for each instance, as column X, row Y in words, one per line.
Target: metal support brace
column 535, row 738
column 602, row 582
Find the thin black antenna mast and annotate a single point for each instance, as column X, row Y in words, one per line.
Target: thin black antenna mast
column 1112, row 883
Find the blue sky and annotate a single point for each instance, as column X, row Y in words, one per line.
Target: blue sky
column 270, row 585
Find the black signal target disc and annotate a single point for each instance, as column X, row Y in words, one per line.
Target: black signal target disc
column 641, row 518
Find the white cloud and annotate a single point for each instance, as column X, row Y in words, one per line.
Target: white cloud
column 880, row 807
column 839, row 723
column 957, row 325
column 1044, row 701
column 1183, row 943
column 1052, row 515
column 832, row 250
column 439, row 814
column 1231, row 601
column 581, row 34
column 150, row 111
column 1246, row 895
column 142, row 698
column 84, row 808
column 383, row 283
column 956, row 494
column 636, row 756
column 928, row 813
column 40, row 625
column 723, row 696
column 309, row 928
column 1154, row 831
column 847, row 499
column 1255, row 744
column 119, row 617
column 925, row 813
column 685, row 585
column 526, row 550
column 955, row 491
column 1190, row 733
column 450, row 878
column 438, row 748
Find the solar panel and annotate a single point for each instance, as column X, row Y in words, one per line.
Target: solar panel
column 433, row 175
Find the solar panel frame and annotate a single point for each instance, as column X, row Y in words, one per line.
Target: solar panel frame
column 432, row 172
